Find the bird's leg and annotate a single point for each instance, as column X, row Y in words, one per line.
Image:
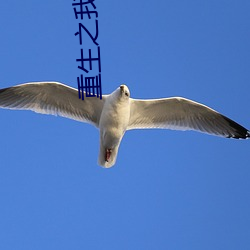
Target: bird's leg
column 108, row 154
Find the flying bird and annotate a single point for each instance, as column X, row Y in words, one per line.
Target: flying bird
column 116, row 113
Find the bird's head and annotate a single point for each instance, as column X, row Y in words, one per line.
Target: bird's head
column 121, row 93
column 124, row 91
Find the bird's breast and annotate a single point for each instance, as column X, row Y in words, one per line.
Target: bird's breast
column 114, row 119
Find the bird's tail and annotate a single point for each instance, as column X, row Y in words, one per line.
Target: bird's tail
column 103, row 160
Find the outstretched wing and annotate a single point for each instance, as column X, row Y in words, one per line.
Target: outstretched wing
column 52, row 98
column 182, row 114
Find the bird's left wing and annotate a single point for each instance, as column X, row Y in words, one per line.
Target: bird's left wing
column 52, row 98
column 182, row 114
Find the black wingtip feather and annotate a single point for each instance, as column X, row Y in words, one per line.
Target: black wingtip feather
column 239, row 131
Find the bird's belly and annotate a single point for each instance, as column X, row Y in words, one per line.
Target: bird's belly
column 113, row 124
column 112, row 131
column 112, row 134
column 111, row 138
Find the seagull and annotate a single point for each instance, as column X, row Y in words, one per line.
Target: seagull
column 116, row 113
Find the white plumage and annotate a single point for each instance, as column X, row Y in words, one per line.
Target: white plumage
column 116, row 113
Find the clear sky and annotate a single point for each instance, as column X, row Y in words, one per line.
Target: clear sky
column 168, row 189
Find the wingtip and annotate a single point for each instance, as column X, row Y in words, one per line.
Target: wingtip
column 248, row 134
column 239, row 131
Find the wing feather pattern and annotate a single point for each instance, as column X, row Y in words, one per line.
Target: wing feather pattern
column 182, row 114
column 52, row 98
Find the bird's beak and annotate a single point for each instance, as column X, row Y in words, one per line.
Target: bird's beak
column 122, row 88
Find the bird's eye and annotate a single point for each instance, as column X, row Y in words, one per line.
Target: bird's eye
column 126, row 93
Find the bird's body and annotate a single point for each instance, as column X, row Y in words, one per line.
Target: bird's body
column 116, row 113
column 113, row 124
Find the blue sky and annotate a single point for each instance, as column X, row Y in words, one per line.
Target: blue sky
column 168, row 189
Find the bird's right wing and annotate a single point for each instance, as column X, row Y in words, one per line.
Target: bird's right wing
column 182, row 114
column 52, row 98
